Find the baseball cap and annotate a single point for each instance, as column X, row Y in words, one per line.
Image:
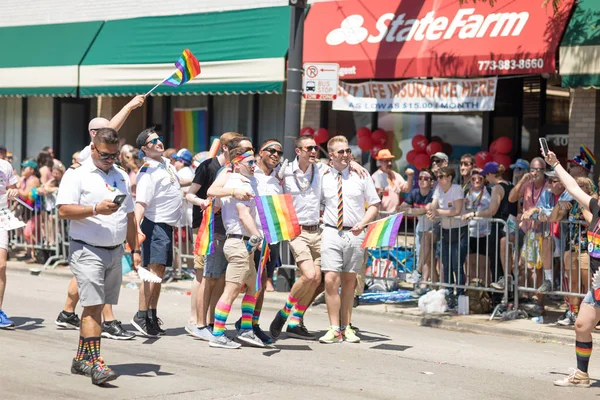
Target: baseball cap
column 440, row 155
column 384, row 154
column 183, row 155
column 29, row 163
column 520, row 163
column 490, row 168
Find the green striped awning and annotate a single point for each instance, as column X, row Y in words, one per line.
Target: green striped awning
column 43, row 60
column 239, row 52
column 580, row 47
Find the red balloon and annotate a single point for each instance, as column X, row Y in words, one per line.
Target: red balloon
column 504, row 145
column 493, row 148
column 375, row 150
column 321, row 136
column 419, row 143
column 410, row 157
column 422, row 161
column 433, row 148
column 380, row 137
column 307, row 130
column 447, row 149
column 437, row 139
column 365, row 143
column 482, row 158
column 503, row 159
column 364, row 131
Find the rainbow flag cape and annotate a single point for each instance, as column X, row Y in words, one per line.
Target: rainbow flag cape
column 383, row 233
column 205, row 239
column 188, row 68
column 264, row 258
column 190, row 129
column 277, row 217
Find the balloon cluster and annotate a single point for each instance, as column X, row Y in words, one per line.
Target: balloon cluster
column 321, row 135
column 423, row 149
column 371, row 141
column 498, row 152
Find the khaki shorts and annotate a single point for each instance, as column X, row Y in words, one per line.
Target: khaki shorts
column 240, row 267
column 342, row 251
column 307, row 246
column 198, row 260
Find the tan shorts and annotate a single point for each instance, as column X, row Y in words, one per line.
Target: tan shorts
column 240, row 267
column 198, row 260
column 307, row 246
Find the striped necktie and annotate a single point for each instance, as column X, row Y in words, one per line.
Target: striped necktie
column 340, row 219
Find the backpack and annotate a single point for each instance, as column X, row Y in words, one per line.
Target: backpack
column 480, row 302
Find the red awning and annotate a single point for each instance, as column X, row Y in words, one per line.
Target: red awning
column 435, row 38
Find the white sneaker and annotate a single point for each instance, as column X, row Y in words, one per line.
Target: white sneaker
column 248, row 337
column 568, row 319
column 200, row 333
column 414, row 278
column 223, row 342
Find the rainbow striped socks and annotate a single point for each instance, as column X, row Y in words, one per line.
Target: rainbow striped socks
column 583, row 351
column 289, row 304
column 221, row 313
column 248, row 303
column 256, row 316
column 81, row 349
column 297, row 315
column 93, row 346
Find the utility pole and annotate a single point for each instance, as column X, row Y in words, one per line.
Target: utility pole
column 293, row 96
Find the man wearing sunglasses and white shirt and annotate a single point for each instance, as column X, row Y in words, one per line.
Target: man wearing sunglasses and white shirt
column 344, row 196
column 158, row 206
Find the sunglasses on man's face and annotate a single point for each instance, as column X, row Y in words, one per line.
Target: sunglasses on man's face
column 341, row 152
column 537, row 169
column 424, row 178
column 155, row 140
column 310, row 148
column 436, row 161
column 273, row 151
column 477, row 179
column 466, row 163
column 108, row 156
column 249, row 164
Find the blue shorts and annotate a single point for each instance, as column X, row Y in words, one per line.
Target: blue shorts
column 215, row 264
column 589, row 299
column 158, row 246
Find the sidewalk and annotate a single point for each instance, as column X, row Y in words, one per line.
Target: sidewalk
column 477, row 323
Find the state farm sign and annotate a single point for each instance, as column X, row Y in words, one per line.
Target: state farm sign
column 434, row 38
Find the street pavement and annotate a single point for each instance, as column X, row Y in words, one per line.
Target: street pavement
column 395, row 360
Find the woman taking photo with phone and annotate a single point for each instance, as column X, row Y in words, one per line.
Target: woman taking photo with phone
column 589, row 312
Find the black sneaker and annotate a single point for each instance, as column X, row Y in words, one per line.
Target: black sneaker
column 101, row 373
column 114, row 330
column 277, row 325
column 238, row 324
column 156, row 323
column 266, row 339
column 67, row 322
column 299, row 332
column 211, row 327
column 81, row 367
column 144, row 326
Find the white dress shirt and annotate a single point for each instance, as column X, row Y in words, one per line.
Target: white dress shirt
column 157, row 186
column 306, row 202
column 357, row 192
column 88, row 185
column 231, row 218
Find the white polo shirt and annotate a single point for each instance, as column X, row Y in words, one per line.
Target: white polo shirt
column 88, row 185
column 356, row 193
column 305, row 189
column 157, row 186
column 231, row 219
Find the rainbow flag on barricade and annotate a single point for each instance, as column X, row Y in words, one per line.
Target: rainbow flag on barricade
column 383, row 233
column 277, row 217
column 205, row 239
column 188, row 68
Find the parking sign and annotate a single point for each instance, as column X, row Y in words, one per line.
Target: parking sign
column 320, row 81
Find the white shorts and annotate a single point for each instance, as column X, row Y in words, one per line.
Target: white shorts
column 3, row 239
column 341, row 251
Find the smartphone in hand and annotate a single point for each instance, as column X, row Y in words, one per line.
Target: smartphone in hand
column 120, row 199
column 544, row 145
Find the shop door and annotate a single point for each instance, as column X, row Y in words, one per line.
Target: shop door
column 71, row 118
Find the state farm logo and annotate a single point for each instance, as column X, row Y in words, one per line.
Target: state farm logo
column 465, row 24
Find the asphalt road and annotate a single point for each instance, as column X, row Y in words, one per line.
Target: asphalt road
column 395, row 360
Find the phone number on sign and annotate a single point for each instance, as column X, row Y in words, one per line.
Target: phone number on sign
column 507, row 65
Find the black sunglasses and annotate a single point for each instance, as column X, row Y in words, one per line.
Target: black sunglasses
column 107, row 156
column 341, row 152
column 155, row 140
column 273, row 151
column 310, row 148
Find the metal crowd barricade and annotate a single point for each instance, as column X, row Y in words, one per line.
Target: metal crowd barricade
column 44, row 236
column 183, row 255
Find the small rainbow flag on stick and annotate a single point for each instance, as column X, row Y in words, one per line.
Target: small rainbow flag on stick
column 204, row 241
column 383, row 233
column 264, row 258
column 188, row 68
column 277, row 217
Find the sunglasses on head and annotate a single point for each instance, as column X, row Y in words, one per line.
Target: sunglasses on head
column 155, row 140
column 310, row 148
column 341, row 152
column 108, row 156
column 273, row 151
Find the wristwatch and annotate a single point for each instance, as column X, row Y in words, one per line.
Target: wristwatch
column 136, row 252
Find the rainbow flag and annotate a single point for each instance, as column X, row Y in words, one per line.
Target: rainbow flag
column 190, row 129
column 383, row 233
column 277, row 217
column 188, row 68
column 264, row 259
column 205, row 239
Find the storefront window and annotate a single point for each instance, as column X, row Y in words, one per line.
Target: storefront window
column 403, row 127
column 461, row 131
